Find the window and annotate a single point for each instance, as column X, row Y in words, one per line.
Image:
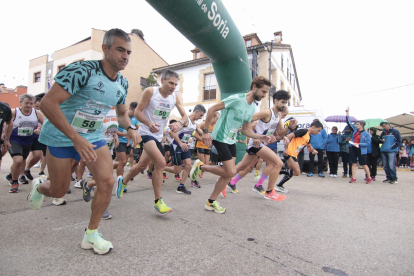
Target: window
column 143, row 82
column 198, row 54
column 60, row 68
column 37, row 77
column 248, row 43
column 210, row 84
column 281, row 63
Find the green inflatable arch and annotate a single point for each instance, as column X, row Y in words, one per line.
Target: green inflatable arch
column 208, row 25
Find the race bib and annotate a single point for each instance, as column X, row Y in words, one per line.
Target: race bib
column 300, row 148
column 270, row 131
column 161, row 112
column 25, row 131
column 232, row 134
column 87, row 123
column 185, row 138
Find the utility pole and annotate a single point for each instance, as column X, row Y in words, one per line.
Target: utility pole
column 270, row 67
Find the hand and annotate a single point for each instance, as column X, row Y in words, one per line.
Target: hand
column 348, row 139
column 85, row 149
column 184, row 147
column 293, row 124
column 272, row 139
column 6, row 145
column 153, row 127
column 265, row 139
column 256, row 143
column 285, row 152
column 36, row 131
column 175, row 126
column 314, row 152
column 356, row 145
column 133, row 135
column 116, row 141
column 207, row 140
column 286, row 140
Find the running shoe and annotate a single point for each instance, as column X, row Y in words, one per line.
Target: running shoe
column 303, row 173
column 106, row 215
column 183, row 190
column 161, row 208
column 69, row 191
column 195, row 184
column 58, row 201
column 35, row 198
column 310, row 174
column 177, row 177
column 335, row 175
column 149, row 175
column 331, row 175
column 90, row 175
column 78, row 184
column 232, row 188
column 321, row 175
column 259, row 190
column 281, row 189
column 344, row 176
column 274, row 196
column 86, row 191
column 23, row 180
column 125, row 190
column 373, row 178
column 164, row 174
column 71, row 178
column 28, row 174
column 14, row 188
column 353, row 180
column 196, row 170
column 215, row 206
column 257, row 177
column 127, row 163
column 120, row 186
column 41, row 173
column 223, row 193
column 369, row 180
column 386, row 180
column 8, row 178
column 393, row 181
column 97, row 243
column 38, row 165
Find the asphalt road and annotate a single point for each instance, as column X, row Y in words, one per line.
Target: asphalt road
column 324, row 227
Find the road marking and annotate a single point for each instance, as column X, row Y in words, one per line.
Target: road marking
column 76, row 225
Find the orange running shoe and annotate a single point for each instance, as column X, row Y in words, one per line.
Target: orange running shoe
column 274, row 196
column 223, row 193
column 201, row 175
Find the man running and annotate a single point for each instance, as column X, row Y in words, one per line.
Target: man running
column 298, row 140
column 153, row 112
column 75, row 108
column 25, row 121
column 179, row 148
column 237, row 111
column 203, row 152
column 5, row 117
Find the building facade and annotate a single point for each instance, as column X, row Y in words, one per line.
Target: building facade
column 12, row 96
column 142, row 60
column 198, row 84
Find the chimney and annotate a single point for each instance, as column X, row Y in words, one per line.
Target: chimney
column 277, row 37
column 139, row 33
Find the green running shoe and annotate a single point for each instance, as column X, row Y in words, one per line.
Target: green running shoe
column 196, row 170
column 215, row 206
column 97, row 243
column 161, row 208
column 35, row 198
column 120, row 186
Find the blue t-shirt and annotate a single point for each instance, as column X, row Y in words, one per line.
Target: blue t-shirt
column 93, row 94
column 123, row 139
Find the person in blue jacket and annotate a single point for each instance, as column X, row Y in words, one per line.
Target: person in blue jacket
column 318, row 142
column 391, row 140
column 358, row 148
column 333, row 147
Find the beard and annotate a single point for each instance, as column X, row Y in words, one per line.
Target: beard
column 255, row 96
column 280, row 108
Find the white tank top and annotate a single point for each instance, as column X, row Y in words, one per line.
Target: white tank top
column 168, row 138
column 186, row 132
column 23, row 127
column 264, row 128
column 157, row 111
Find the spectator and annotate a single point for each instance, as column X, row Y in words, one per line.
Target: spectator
column 410, row 152
column 332, row 149
column 404, row 143
column 318, row 142
column 358, row 148
column 403, row 157
column 373, row 153
column 391, row 140
column 345, row 138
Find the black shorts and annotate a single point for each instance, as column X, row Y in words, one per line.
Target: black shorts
column 166, row 148
column 17, row 149
column 225, row 151
column 355, row 153
column 252, row 150
column 44, row 150
column 203, row 151
column 289, row 156
column 147, row 138
column 122, row 147
column 36, row 144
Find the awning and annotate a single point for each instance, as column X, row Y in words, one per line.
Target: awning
column 404, row 123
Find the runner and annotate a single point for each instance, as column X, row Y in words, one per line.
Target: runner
column 76, row 106
column 237, row 111
column 167, row 142
column 268, row 123
column 25, row 121
column 153, row 111
column 180, row 153
column 298, row 140
column 5, row 117
column 203, row 152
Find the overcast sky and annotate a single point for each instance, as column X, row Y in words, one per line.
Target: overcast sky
column 342, row 51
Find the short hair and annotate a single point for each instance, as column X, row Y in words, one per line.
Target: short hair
column 133, row 105
column 260, row 81
column 173, row 121
column 27, row 96
column 335, row 127
column 384, row 123
column 38, row 99
column 216, row 114
column 109, row 37
column 361, row 122
column 200, row 108
column 167, row 73
column 316, row 123
column 281, row 95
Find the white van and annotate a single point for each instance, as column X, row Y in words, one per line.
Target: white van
column 305, row 115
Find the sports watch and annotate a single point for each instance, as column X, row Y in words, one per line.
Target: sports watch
column 205, row 130
column 132, row 126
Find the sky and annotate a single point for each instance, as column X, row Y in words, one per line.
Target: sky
column 350, row 53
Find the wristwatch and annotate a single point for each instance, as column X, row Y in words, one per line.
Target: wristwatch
column 182, row 123
column 205, row 130
column 132, row 126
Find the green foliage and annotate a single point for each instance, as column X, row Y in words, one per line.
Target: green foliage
column 151, row 81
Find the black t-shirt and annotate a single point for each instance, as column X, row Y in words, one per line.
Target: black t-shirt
column 5, row 115
column 300, row 132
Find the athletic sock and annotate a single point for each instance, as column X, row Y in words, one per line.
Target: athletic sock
column 284, row 180
column 181, row 185
column 286, row 172
column 89, row 232
column 210, row 201
column 26, row 169
column 257, row 172
column 235, row 179
column 268, row 192
column 261, row 180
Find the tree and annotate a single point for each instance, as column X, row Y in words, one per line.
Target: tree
column 150, row 81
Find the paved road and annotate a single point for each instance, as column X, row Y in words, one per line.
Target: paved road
column 324, row 227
